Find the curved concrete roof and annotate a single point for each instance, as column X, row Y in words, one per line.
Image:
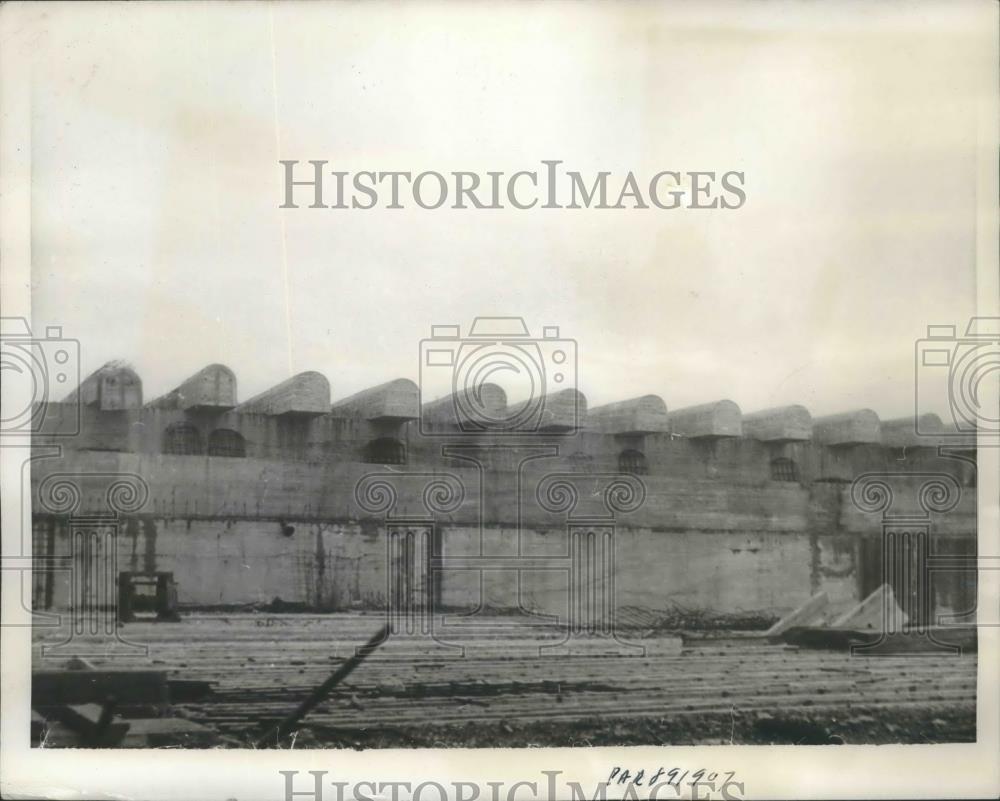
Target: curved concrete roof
column 717, row 419
column 212, row 387
column 113, row 386
column 646, row 414
column 479, row 409
column 303, row 394
column 780, row 424
column 564, row 410
column 858, row 427
column 398, row 400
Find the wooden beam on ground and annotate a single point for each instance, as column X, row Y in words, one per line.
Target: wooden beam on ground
column 320, row 693
column 62, row 687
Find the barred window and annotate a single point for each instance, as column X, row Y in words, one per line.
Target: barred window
column 226, row 442
column 182, row 439
column 784, row 470
column 633, row 462
column 385, row 451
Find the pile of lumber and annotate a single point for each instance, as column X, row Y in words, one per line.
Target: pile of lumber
column 80, row 705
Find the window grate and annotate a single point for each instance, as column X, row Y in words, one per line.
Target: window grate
column 226, row 442
column 633, row 462
column 182, row 439
column 784, row 470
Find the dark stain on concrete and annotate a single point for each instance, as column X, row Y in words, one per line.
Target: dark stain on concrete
column 149, row 555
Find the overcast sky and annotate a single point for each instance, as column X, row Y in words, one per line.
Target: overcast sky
column 157, row 237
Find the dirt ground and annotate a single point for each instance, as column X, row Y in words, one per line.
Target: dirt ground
column 858, row 726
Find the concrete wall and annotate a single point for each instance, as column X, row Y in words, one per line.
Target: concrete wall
column 714, row 529
column 717, row 570
column 224, row 562
column 339, row 566
column 336, row 439
column 221, row 525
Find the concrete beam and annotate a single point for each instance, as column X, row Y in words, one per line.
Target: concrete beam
column 564, row 410
column 781, row 424
column 113, row 387
column 212, row 388
column 303, row 394
column 718, row 419
column 480, row 409
column 644, row 415
column 394, row 400
column 859, row 427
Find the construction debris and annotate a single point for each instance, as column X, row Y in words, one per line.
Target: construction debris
column 879, row 611
column 939, row 639
column 811, row 626
column 811, row 613
column 78, row 707
column 128, row 687
column 318, row 695
column 403, row 697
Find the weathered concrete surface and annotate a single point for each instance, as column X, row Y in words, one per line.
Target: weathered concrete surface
column 635, row 416
column 294, row 518
column 564, row 410
column 394, row 400
column 719, row 419
column 480, row 409
column 303, row 394
column 213, row 388
column 227, row 562
column 218, row 524
column 331, row 439
column 719, row 571
column 849, row 428
column 111, row 388
column 782, row 424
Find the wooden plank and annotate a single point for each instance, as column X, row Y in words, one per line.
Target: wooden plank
column 61, row 687
column 261, row 666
